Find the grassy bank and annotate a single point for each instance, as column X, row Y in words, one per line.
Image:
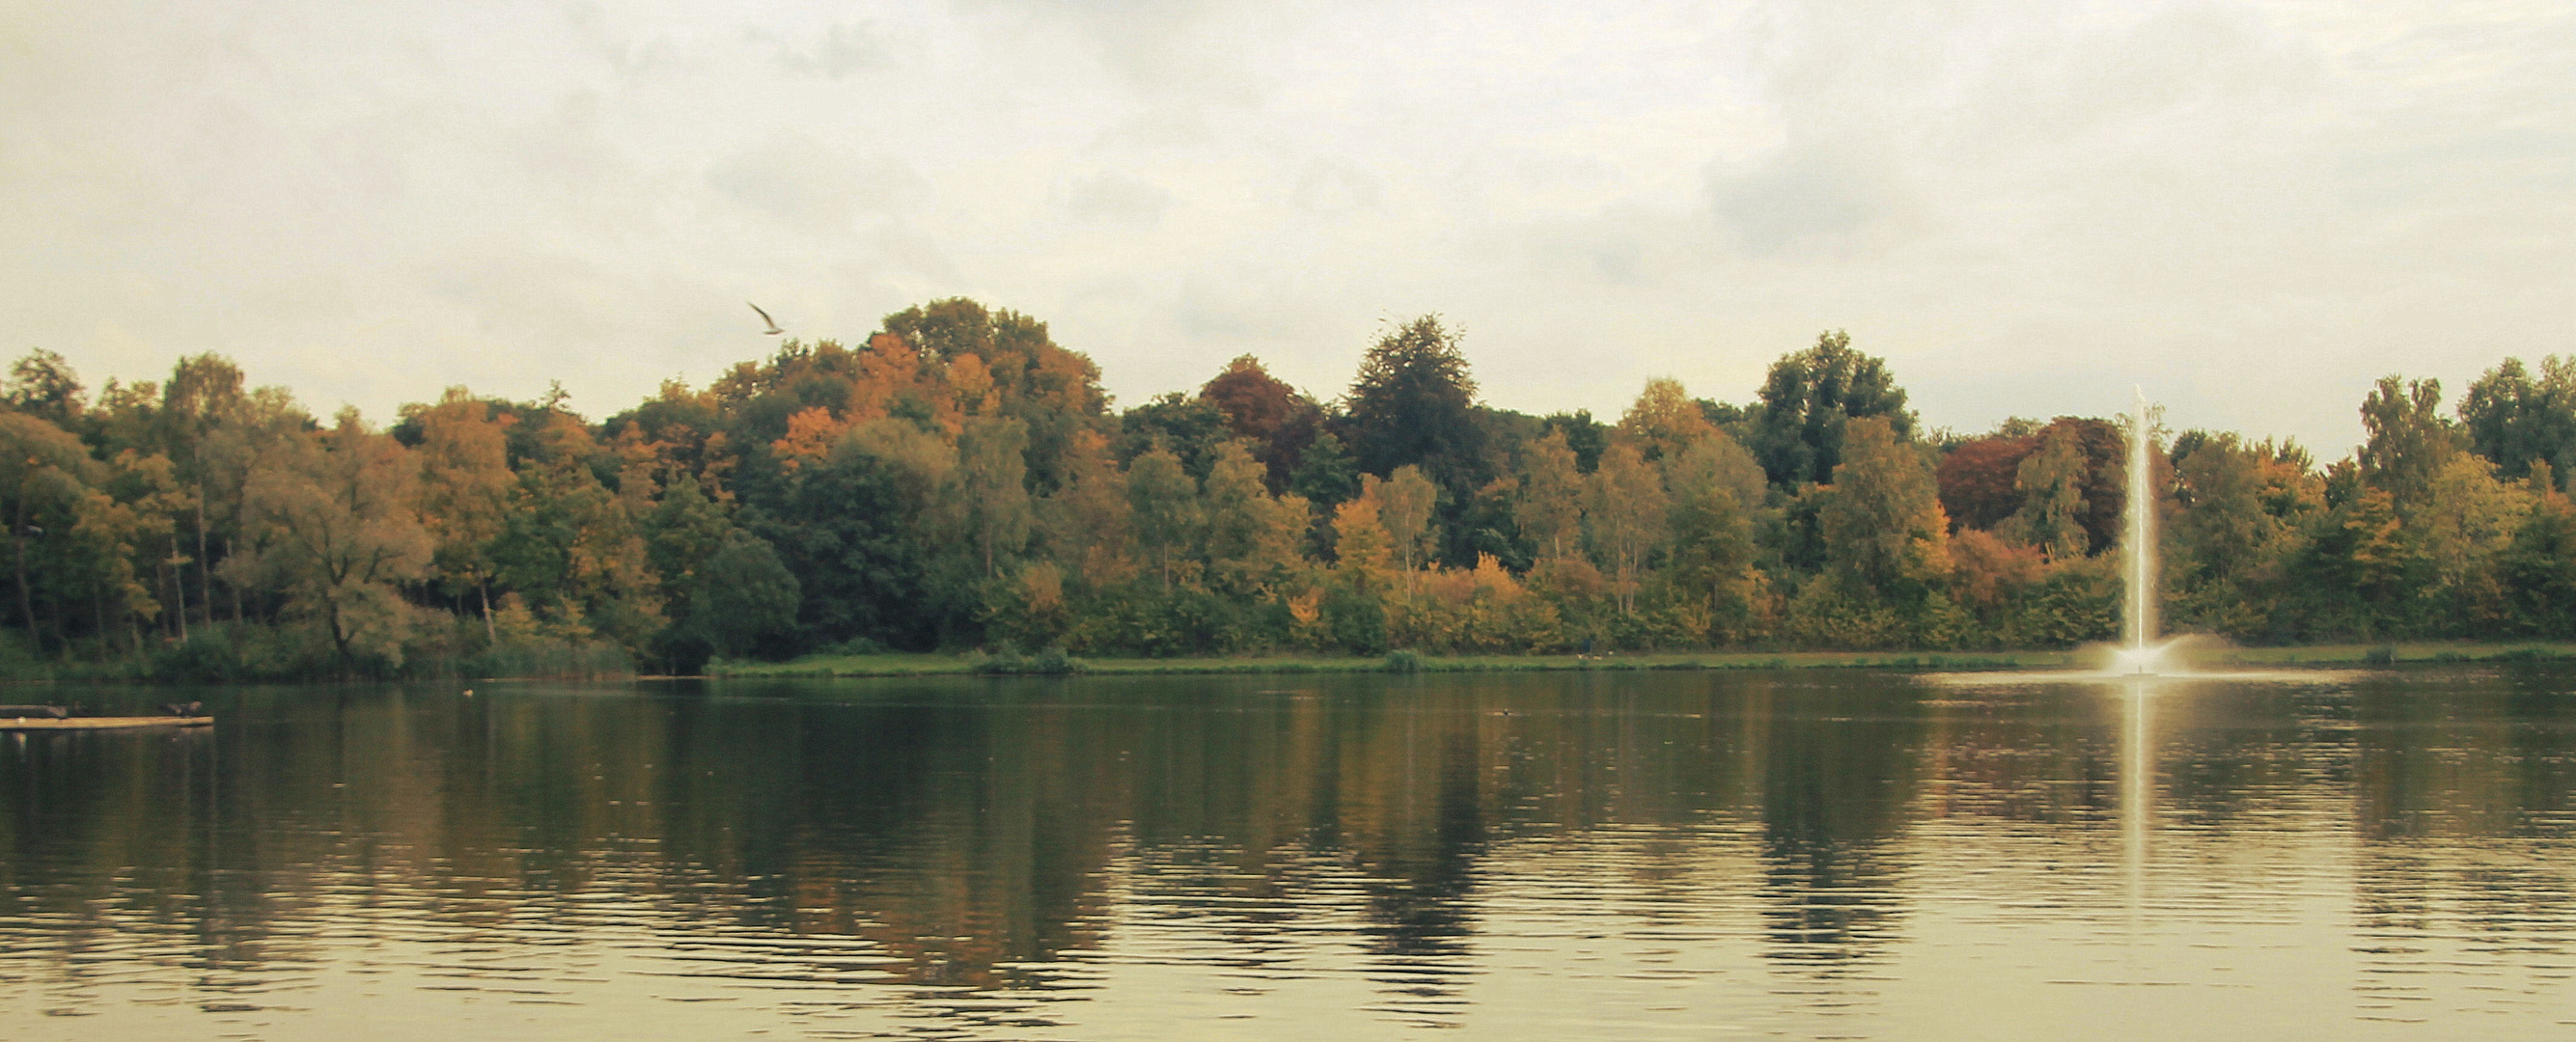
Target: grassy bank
column 2389, row 654
column 911, row 665
column 251, row 653
column 1401, row 662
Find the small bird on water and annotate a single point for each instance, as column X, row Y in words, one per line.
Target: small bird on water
column 773, row 329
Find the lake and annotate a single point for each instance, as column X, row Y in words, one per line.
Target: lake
column 1614, row 855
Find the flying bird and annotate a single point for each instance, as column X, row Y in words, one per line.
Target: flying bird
column 772, row 323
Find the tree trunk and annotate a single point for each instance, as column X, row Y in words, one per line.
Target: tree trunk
column 205, row 565
column 339, row 637
column 489, row 633
column 179, row 586
column 26, row 604
column 54, row 621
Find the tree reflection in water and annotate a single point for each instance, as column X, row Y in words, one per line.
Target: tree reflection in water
column 1014, row 857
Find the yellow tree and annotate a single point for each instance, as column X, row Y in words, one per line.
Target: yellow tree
column 1883, row 524
column 129, row 527
column 1360, row 550
column 466, row 490
column 1252, row 536
column 108, row 536
column 1087, row 521
column 1712, row 530
column 990, row 482
column 331, row 525
column 1629, row 511
column 247, row 431
column 1664, row 420
column 1164, row 508
column 1405, row 501
column 2469, row 522
column 1552, row 491
column 573, row 546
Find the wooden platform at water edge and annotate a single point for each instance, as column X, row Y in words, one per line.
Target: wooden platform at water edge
column 99, row 723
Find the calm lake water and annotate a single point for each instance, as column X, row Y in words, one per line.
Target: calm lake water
column 1820, row 854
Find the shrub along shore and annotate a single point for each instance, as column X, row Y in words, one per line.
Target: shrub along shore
column 956, row 485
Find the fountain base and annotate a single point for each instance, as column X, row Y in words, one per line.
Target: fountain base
column 2147, row 660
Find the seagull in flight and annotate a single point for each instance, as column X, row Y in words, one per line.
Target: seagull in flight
column 773, row 329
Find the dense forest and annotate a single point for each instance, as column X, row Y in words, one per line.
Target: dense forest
column 958, row 480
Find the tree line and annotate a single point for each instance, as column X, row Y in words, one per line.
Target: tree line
column 958, row 480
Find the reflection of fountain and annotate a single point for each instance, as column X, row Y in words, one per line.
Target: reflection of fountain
column 2137, row 797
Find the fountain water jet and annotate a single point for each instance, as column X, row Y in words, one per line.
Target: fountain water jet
column 2140, row 654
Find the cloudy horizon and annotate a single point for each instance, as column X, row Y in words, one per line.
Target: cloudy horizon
column 2251, row 210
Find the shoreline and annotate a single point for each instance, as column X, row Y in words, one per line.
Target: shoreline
column 932, row 664
column 937, row 664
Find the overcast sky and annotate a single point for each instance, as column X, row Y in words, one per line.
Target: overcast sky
column 2252, row 209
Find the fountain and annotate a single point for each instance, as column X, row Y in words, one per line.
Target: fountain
column 2140, row 654
column 2151, row 680
column 2143, row 658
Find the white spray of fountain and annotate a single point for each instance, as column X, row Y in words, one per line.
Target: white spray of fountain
column 2140, row 653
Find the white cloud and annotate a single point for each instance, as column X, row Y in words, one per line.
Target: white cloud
column 815, row 188
column 1811, row 197
column 2251, row 208
column 1115, row 198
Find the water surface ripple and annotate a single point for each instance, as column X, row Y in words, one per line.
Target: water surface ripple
column 1611, row 855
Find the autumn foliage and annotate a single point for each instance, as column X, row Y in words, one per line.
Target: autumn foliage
column 958, row 480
